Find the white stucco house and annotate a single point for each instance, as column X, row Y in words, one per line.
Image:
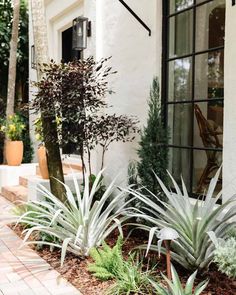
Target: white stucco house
column 190, row 45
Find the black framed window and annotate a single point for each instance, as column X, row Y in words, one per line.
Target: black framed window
column 193, row 88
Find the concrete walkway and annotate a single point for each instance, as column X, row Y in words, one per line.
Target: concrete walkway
column 23, row 271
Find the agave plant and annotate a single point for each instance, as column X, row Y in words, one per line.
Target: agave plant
column 198, row 226
column 82, row 223
column 175, row 287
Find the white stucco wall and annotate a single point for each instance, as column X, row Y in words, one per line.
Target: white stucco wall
column 229, row 152
column 137, row 58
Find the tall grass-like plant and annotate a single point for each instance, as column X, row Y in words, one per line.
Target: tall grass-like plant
column 81, row 224
column 175, row 287
column 198, row 226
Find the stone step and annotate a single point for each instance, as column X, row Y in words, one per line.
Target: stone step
column 15, row 193
column 67, row 168
column 23, row 181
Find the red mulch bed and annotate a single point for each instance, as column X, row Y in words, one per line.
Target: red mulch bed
column 75, row 269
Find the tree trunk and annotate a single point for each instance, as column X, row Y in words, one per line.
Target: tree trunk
column 13, row 59
column 11, row 87
column 49, row 122
column 53, row 155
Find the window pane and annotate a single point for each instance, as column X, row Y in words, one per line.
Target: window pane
column 180, row 80
column 209, row 75
column 181, row 34
column 180, row 165
column 177, row 5
column 206, row 163
column 180, row 118
column 208, row 124
column 210, row 26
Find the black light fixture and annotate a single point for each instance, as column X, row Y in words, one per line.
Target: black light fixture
column 33, row 58
column 81, row 31
column 233, row 2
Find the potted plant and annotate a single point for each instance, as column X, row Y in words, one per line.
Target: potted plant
column 13, row 128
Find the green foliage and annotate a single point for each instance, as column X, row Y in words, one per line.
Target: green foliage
column 153, row 152
column 80, row 224
column 232, row 233
column 129, row 276
column 6, row 15
column 225, row 257
column 108, row 262
column 132, row 279
column 13, row 127
column 175, row 287
column 198, row 226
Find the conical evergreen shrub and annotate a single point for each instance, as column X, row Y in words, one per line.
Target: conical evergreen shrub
column 153, row 150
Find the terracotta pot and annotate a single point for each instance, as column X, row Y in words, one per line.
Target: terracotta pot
column 14, row 152
column 43, row 165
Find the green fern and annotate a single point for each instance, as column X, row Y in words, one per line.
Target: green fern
column 107, row 261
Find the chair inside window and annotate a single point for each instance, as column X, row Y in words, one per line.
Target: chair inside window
column 210, row 134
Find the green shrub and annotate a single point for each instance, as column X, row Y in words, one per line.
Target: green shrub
column 175, row 287
column 107, row 261
column 225, row 257
column 13, row 127
column 195, row 224
column 129, row 276
column 153, row 151
column 81, row 223
column 132, row 279
column 232, row 233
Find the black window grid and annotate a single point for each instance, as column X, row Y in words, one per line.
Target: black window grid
column 165, row 61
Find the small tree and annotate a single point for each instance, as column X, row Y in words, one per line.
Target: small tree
column 153, row 152
column 77, row 92
column 115, row 128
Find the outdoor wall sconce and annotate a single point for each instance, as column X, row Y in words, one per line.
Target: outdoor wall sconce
column 81, row 31
column 233, row 2
column 33, row 58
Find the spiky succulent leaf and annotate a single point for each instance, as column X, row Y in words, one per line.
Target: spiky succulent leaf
column 80, row 224
column 194, row 248
column 175, row 287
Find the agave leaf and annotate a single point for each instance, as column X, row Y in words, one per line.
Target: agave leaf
column 151, row 236
column 176, row 280
column 201, row 287
column 190, row 283
column 64, row 249
column 194, row 248
column 78, row 226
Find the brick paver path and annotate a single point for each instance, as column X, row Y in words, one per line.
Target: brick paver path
column 23, row 271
